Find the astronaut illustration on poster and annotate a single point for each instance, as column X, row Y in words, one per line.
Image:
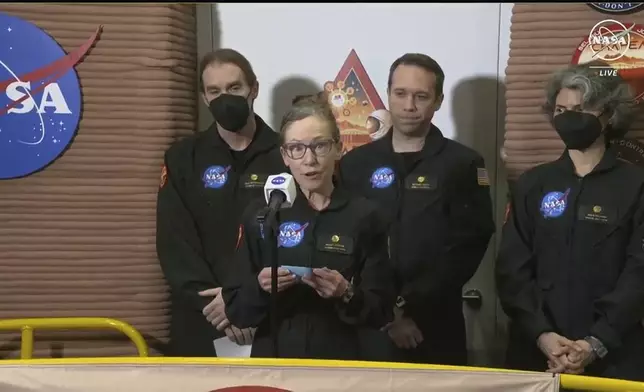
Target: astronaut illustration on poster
column 358, row 109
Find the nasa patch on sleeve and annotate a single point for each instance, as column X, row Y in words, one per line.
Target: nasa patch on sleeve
column 41, row 99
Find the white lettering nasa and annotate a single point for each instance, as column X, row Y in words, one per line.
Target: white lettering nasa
column 608, row 40
column 289, row 233
column 383, row 177
column 215, row 176
column 554, row 204
column 52, row 97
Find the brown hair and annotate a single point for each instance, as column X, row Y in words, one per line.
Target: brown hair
column 422, row 61
column 228, row 56
column 305, row 106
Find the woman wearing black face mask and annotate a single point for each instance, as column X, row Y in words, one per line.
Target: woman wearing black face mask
column 570, row 268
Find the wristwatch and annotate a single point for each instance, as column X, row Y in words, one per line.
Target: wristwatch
column 400, row 302
column 348, row 294
column 598, row 347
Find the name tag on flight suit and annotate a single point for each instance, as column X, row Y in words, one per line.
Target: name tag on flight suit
column 335, row 243
column 597, row 214
column 253, row 181
column 416, row 181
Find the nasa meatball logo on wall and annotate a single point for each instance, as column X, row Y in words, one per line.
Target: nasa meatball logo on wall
column 40, row 100
column 358, row 109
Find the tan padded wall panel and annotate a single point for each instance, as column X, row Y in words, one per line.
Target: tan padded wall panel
column 543, row 39
column 78, row 239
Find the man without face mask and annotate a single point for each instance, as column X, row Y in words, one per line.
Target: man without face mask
column 230, row 111
column 578, row 130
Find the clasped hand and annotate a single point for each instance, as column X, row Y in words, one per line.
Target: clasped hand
column 403, row 331
column 327, row 283
column 215, row 313
column 565, row 355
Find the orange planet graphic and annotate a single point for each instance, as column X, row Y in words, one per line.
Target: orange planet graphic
column 621, row 47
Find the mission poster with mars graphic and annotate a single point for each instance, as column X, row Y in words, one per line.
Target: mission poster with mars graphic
column 358, row 109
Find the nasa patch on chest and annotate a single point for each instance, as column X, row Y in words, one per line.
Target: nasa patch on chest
column 215, row 177
column 382, row 178
column 554, row 204
column 291, row 234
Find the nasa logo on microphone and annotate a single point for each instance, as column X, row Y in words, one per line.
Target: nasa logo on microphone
column 616, row 7
column 40, row 97
column 278, row 180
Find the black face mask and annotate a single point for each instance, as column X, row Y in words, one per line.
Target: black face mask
column 230, row 111
column 578, row 130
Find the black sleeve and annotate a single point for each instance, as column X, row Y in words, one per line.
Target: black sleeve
column 246, row 303
column 515, row 269
column 623, row 308
column 469, row 229
column 374, row 291
column 179, row 245
column 342, row 174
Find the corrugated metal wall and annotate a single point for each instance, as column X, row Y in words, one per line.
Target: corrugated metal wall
column 543, row 38
column 78, row 239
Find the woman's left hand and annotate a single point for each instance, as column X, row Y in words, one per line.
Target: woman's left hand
column 328, row 283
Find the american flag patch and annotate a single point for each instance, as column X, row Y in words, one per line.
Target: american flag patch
column 481, row 177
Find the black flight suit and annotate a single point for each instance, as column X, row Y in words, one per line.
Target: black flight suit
column 571, row 262
column 198, row 215
column 439, row 201
column 349, row 236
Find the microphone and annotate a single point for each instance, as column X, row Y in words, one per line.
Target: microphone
column 280, row 191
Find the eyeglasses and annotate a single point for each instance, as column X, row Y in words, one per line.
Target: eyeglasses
column 319, row 148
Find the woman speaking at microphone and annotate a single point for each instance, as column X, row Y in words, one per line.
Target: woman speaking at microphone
column 335, row 272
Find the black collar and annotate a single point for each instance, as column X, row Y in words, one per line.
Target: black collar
column 434, row 142
column 607, row 163
column 264, row 138
column 339, row 198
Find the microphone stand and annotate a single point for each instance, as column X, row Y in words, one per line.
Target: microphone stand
column 268, row 219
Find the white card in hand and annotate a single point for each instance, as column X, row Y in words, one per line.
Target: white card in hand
column 228, row 349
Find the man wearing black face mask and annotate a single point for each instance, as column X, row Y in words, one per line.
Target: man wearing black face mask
column 570, row 268
column 207, row 181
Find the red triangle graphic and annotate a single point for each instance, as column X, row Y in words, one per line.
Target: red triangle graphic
column 353, row 98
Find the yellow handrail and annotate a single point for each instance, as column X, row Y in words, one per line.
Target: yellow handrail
column 27, row 326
